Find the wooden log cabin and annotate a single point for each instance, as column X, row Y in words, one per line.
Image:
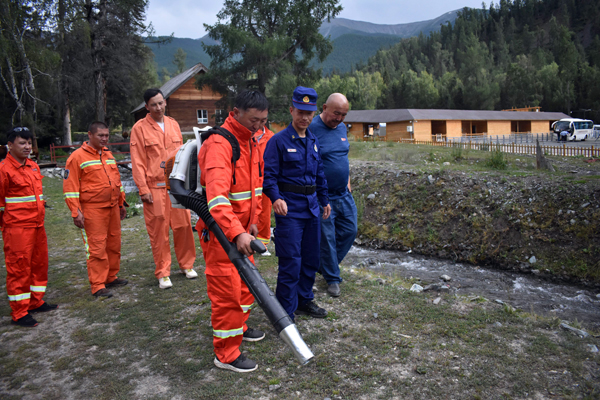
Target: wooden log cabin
column 439, row 125
column 186, row 104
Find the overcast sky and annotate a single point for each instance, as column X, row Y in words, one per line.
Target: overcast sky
column 185, row 18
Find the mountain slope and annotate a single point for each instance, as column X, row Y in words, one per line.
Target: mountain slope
column 353, row 42
column 341, row 26
column 351, row 49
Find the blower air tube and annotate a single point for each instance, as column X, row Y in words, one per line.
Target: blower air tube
column 265, row 298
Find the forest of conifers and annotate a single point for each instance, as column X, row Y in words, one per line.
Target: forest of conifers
column 82, row 62
column 513, row 54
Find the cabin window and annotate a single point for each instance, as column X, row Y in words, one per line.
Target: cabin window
column 202, row 116
column 220, row 116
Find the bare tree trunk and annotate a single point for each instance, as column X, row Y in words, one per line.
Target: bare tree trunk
column 64, row 83
column 16, row 36
column 100, row 89
column 11, row 87
column 98, row 24
column 541, row 161
column 67, row 141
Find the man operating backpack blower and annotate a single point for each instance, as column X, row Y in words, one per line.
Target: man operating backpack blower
column 232, row 192
column 223, row 186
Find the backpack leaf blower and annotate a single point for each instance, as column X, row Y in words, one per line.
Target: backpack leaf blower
column 185, row 191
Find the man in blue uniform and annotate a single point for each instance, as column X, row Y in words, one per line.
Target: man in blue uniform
column 294, row 180
column 338, row 231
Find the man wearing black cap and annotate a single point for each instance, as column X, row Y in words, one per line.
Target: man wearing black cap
column 22, row 211
column 296, row 184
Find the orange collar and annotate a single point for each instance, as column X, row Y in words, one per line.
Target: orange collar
column 17, row 164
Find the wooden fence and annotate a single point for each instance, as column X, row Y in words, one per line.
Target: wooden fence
column 517, row 148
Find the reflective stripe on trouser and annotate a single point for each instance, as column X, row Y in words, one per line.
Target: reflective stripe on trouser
column 297, row 247
column 264, row 221
column 102, row 240
column 159, row 216
column 230, row 300
column 337, row 236
column 26, row 255
column 226, row 294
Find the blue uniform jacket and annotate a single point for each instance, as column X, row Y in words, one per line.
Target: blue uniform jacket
column 334, row 153
column 288, row 161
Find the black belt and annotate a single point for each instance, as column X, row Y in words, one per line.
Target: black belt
column 284, row 187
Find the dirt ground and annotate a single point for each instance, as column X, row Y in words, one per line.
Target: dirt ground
column 379, row 341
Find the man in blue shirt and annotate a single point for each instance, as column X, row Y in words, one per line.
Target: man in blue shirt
column 294, row 181
column 339, row 230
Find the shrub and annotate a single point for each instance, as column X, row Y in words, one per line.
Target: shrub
column 457, row 151
column 497, row 159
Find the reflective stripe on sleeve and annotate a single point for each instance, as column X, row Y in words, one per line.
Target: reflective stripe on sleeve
column 41, row 289
column 90, row 163
column 258, row 191
column 19, row 297
column 122, row 189
column 246, row 308
column 41, row 197
column 229, row 333
column 111, row 161
column 218, row 201
column 71, row 195
column 24, row 199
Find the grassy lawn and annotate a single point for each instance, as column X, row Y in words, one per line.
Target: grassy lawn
column 379, row 341
column 431, row 158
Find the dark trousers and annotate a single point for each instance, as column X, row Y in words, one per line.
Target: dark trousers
column 297, row 242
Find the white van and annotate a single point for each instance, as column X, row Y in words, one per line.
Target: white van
column 578, row 129
column 596, row 132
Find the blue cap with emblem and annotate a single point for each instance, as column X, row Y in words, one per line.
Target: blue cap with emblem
column 305, row 98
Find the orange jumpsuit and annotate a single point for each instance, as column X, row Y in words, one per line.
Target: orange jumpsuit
column 93, row 185
column 234, row 208
column 264, row 219
column 25, row 244
column 150, row 147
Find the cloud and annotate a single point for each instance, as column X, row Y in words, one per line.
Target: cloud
column 400, row 12
column 185, row 18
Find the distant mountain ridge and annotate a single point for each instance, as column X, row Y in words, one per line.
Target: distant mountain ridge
column 341, row 26
column 353, row 42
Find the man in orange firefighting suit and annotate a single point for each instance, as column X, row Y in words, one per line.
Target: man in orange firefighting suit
column 234, row 200
column 95, row 196
column 264, row 219
column 153, row 138
column 22, row 222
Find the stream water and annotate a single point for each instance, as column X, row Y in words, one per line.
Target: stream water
column 524, row 292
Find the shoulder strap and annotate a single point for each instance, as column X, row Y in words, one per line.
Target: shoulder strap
column 235, row 145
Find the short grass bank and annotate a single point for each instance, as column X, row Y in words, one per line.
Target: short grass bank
column 380, row 340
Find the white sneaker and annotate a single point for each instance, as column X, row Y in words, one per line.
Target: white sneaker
column 265, row 254
column 190, row 273
column 165, row 283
